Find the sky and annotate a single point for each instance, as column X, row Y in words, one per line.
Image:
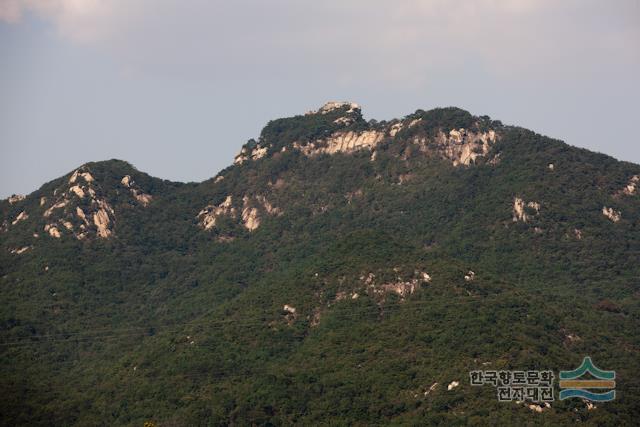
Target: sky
column 176, row 87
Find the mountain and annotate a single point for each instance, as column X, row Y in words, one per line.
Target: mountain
column 341, row 271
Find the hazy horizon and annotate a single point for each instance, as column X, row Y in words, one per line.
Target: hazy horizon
column 176, row 88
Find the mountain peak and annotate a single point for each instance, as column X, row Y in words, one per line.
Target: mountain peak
column 330, row 106
column 439, row 233
column 83, row 203
column 338, row 127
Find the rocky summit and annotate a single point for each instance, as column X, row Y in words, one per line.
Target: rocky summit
column 341, row 271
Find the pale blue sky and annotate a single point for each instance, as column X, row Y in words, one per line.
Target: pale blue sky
column 177, row 87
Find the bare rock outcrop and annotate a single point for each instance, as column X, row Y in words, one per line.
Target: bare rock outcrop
column 460, row 146
column 632, row 186
column 143, row 198
column 247, row 154
column 342, row 142
column 21, row 250
column 612, row 214
column 81, row 174
column 77, row 190
column 268, row 207
column 250, row 217
column 78, row 208
column 21, row 217
column 250, row 212
column 520, row 210
column 102, row 222
column 335, row 105
column 82, row 206
column 463, row 147
column 208, row 216
column 401, row 286
column 52, row 230
column 15, row 198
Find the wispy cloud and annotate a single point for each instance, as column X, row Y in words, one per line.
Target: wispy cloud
column 404, row 41
column 80, row 20
column 145, row 72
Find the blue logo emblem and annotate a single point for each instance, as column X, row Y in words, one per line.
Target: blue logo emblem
column 572, row 386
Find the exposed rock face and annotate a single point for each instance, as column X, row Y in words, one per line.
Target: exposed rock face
column 58, row 205
column 612, row 214
column 414, row 122
column 631, row 188
column 578, row 233
column 250, row 213
column 246, row 154
column 290, row 313
column 77, row 190
column 395, row 128
column 535, row 408
column 143, row 198
column 65, row 214
column 21, row 217
column 271, row 210
column 15, row 198
column 335, row 105
column 102, row 221
column 460, row 146
column 401, row 289
column 250, row 217
column 401, row 286
column 572, row 338
column 80, row 213
column 259, row 153
column 520, row 212
column 21, row 250
column 84, row 174
column 430, row 389
column 81, row 206
column 136, row 192
column 52, row 230
column 463, row 147
column 342, row 142
column 344, row 121
column 209, row 215
column 404, row 178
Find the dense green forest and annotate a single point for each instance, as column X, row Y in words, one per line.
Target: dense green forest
column 322, row 314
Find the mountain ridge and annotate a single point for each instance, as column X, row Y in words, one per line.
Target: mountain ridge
column 322, row 284
column 328, row 107
column 337, row 127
